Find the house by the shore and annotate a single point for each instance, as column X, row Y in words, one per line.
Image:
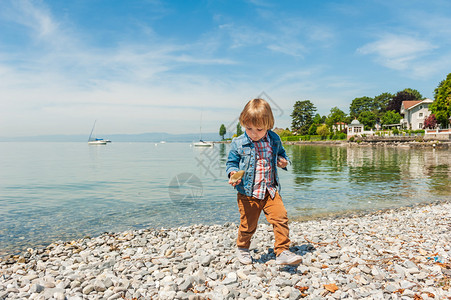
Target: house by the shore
column 357, row 129
column 414, row 113
column 339, row 126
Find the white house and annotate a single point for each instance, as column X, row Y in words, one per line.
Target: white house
column 339, row 126
column 414, row 113
column 356, row 128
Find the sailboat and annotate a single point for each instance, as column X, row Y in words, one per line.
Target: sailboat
column 96, row 141
column 202, row 143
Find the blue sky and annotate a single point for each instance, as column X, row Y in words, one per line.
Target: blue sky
column 148, row 66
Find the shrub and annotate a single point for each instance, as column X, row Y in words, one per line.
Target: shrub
column 430, row 122
column 291, row 138
column 323, row 130
column 315, row 137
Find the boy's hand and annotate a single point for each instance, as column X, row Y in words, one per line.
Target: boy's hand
column 230, row 179
column 281, row 162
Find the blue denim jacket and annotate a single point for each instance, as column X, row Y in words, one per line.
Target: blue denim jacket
column 242, row 157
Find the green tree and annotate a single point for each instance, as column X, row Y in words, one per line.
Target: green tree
column 391, row 117
column 441, row 106
column 323, row 131
column 336, row 115
column 381, row 102
column 349, row 119
column 239, row 131
column 395, row 103
column 368, row 119
column 317, row 119
column 283, row 132
column 302, row 116
column 415, row 93
column 222, row 130
column 312, row 129
column 361, row 104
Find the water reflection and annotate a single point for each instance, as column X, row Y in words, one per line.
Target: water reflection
column 222, row 153
column 371, row 164
column 338, row 178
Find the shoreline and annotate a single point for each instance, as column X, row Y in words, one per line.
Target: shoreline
column 358, row 213
column 435, row 144
column 18, row 250
column 393, row 253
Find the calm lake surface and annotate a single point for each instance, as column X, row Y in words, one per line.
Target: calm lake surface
column 63, row 191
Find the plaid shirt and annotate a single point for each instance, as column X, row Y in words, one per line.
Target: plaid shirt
column 264, row 175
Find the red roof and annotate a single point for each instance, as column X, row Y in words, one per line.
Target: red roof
column 409, row 104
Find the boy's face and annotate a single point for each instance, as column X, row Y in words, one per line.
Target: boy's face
column 255, row 133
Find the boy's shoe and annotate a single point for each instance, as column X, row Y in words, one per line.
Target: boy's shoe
column 244, row 256
column 288, row 258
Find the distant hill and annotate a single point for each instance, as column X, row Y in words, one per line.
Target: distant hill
column 143, row 137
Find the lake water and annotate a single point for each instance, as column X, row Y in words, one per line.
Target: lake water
column 63, row 191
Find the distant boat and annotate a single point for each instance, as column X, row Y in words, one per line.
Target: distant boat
column 202, row 143
column 96, row 141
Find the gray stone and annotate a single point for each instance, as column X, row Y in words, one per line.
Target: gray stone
column 421, row 276
column 410, row 264
column 115, row 296
column 36, row 288
column 400, row 270
column 295, row 295
column 54, row 293
column 108, row 282
column 59, row 295
column 187, row 284
column 108, row 293
column 206, row 260
column 230, row 279
column 407, row 284
column 365, row 269
column 334, row 254
column 241, row 274
column 392, row 287
column 413, row 270
column 88, row 289
column 201, row 288
column 99, row 286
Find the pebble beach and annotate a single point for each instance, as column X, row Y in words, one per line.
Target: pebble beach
column 393, row 254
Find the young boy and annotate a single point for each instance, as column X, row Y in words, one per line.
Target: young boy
column 258, row 151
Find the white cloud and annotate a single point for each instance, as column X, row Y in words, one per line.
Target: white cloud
column 54, row 80
column 63, row 82
column 35, row 18
column 397, row 52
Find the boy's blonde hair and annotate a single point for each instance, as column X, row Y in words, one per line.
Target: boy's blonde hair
column 258, row 113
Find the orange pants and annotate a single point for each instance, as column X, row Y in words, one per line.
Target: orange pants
column 276, row 214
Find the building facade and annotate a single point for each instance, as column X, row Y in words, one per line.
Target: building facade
column 414, row 113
